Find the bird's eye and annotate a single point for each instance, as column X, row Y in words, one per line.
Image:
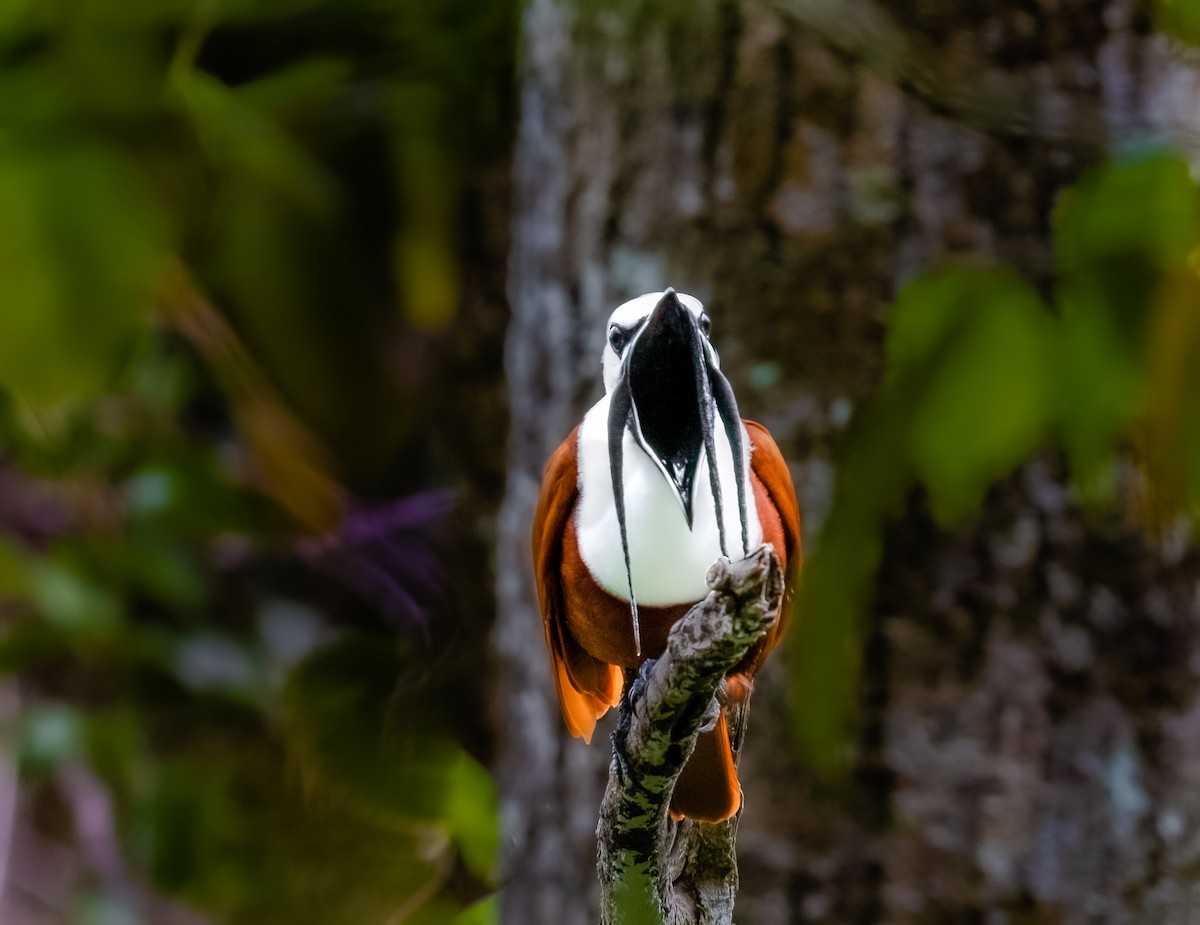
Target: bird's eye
column 618, row 337
column 705, row 323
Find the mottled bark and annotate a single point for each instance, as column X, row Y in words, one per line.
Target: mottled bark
column 1030, row 701
column 550, row 785
column 685, row 873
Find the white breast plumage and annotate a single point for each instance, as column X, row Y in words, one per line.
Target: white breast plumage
column 668, row 561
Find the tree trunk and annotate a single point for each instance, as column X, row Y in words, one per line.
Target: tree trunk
column 1029, row 705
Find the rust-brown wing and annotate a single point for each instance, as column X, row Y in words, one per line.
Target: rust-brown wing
column 772, row 479
column 587, row 687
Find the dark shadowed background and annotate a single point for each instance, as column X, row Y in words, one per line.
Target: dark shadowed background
column 297, row 297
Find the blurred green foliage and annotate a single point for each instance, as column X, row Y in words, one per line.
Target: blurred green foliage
column 981, row 376
column 226, row 228
column 1180, row 18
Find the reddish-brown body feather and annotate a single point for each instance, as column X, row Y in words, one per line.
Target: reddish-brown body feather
column 588, row 630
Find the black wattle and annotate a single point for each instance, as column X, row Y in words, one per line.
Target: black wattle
column 619, row 408
column 728, row 410
column 704, row 389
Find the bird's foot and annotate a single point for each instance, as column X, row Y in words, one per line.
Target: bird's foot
column 625, row 717
column 712, row 713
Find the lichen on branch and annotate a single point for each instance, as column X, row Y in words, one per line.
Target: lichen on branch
column 654, row 869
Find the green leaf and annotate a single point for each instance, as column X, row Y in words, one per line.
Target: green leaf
column 13, row 15
column 1100, row 364
column 230, row 827
column 71, row 602
column 80, row 244
column 173, row 814
column 115, row 743
column 973, row 345
column 251, row 147
column 425, row 253
column 473, row 815
column 1119, row 232
column 484, row 912
column 154, row 562
column 189, row 495
column 393, row 766
column 1168, row 442
column 29, row 642
column 1180, row 18
column 110, row 15
column 1143, row 203
column 14, row 569
column 304, row 85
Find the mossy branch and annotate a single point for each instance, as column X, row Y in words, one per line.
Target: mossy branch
column 654, row 870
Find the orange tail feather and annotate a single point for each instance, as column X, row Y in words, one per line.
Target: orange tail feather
column 708, row 789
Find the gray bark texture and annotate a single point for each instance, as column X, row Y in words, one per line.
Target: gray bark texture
column 1030, row 706
column 683, row 873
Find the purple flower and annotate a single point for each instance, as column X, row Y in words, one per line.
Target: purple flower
column 387, row 554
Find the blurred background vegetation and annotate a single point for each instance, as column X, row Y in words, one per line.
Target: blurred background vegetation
column 252, row 306
column 983, row 372
column 240, row 243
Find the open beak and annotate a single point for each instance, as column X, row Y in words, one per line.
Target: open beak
column 666, row 370
column 669, row 396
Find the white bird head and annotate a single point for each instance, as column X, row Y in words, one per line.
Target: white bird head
column 627, row 321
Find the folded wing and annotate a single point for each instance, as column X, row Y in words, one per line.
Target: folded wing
column 587, row 687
